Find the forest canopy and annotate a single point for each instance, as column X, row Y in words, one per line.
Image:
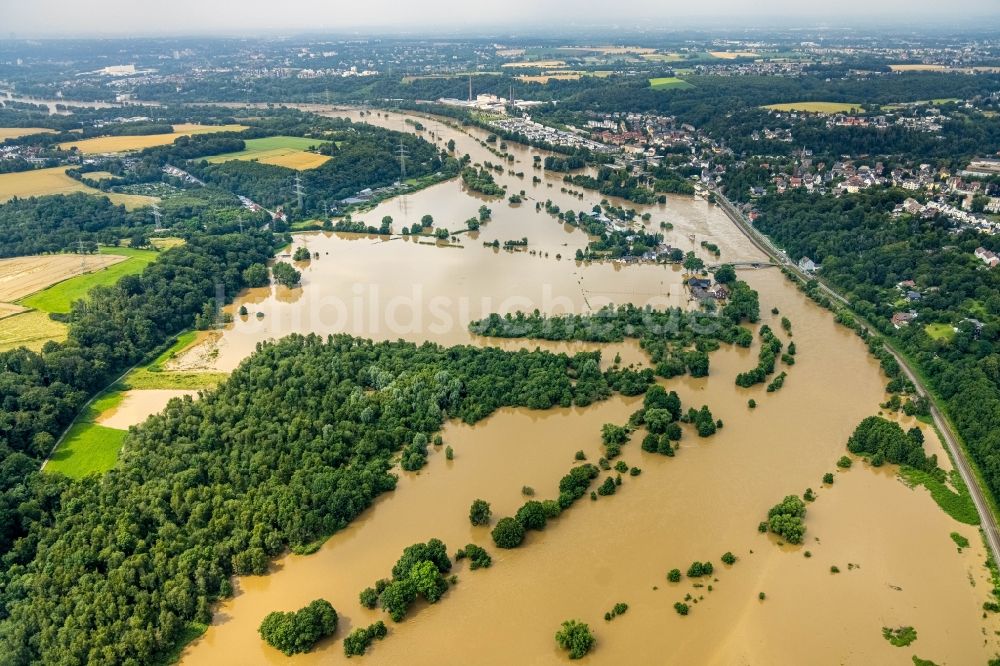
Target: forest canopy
column 218, row 486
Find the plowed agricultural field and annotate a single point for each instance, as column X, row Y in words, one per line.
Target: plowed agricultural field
column 21, row 276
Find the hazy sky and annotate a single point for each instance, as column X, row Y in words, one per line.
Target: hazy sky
column 25, row 18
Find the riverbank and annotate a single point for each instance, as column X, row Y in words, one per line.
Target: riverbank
column 985, row 503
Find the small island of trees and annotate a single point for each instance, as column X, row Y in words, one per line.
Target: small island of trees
column 479, row 512
column 418, row 572
column 299, row 631
column 575, row 637
column 785, row 519
column 358, row 641
column 285, row 275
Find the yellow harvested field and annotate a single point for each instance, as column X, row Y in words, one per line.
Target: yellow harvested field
column 8, row 309
column 814, row 107
column 553, row 76
column 732, row 55
column 42, row 182
column 15, row 132
column 923, row 67
column 296, row 159
column 610, row 50
column 30, row 329
column 122, row 144
column 290, row 158
column 130, row 201
column 39, row 182
column 167, row 242
column 622, row 50
column 918, row 67
column 99, row 175
column 536, row 63
column 663, row 57
column 21, row 276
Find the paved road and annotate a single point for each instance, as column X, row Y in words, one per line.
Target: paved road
column 962, row 464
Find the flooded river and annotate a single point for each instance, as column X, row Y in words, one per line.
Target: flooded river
column 897, row 564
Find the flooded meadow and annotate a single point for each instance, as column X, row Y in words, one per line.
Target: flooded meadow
column 896, row 563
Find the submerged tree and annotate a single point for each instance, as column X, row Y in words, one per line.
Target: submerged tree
column 300, row 630
column 575, row 638
column 479, row 512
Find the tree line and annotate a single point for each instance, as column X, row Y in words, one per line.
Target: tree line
column 114, row 328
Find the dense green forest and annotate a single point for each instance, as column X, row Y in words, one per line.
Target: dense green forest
column 111, row 330
column 678, row 342
column 220, row 485
column 61, row 223
column 866, row 252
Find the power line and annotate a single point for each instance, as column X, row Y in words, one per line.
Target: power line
column 299, row 191
column 402, row 160
column 157, row 218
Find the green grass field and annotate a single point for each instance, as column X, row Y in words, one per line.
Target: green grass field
column 956, row 503
column 286, row 151
column 940, row 331
column 60, row 296
column 668, row 82
column 142, row 378
column 89, row 447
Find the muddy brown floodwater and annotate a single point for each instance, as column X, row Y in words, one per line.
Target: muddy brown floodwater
column 898, row 565
column 137, row 405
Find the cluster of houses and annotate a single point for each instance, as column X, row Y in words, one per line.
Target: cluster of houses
column 249, row 204
column 930, row 122
column 640, row 132
column 538, row 132
column 962, row 219
column 901, row 319
column 908, row 288
column 754, row 68
column 366, row 195
column 779, row 134
column 702, row 288
column 952, row 195
column 30, row 154
column 183, row 175
column 988, row 257
column 842, row 177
